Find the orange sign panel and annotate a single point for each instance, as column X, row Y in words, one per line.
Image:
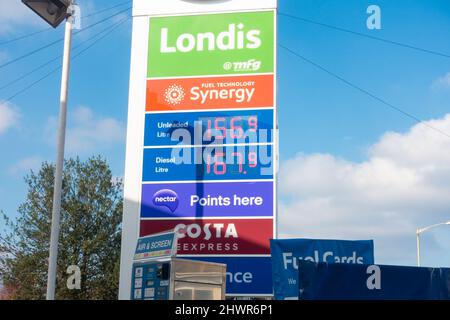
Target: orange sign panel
column 235, row 92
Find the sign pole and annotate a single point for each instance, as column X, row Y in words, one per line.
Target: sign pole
column 418, row 247
column 56, row 211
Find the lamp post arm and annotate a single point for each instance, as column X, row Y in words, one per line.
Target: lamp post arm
column 420, row 230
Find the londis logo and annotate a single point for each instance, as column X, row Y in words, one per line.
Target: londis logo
column 211, row 44
column 234, row 38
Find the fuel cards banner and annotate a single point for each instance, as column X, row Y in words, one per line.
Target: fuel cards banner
column 287, row 253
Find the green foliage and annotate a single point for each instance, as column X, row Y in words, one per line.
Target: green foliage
column 90, row 233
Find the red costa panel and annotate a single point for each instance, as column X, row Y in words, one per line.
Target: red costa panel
column 216, row 236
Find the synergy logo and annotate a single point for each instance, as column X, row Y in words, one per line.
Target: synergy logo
column 166, row 198
column 235, row 38
column 238, row 92
column 174, row 95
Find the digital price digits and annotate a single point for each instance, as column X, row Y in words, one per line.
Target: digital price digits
column 216, row 164
column 237, row 127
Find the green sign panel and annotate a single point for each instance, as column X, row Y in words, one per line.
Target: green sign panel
column 211, row 44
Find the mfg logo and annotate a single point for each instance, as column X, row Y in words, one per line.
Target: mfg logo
column 241, row 66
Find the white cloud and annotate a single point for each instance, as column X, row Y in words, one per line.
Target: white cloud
column 403, row 184
column 87, row 132
column 13, row 14
column 9, row 117
column 25, row 165
column 442, row 82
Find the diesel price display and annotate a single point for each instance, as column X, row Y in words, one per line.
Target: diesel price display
column 208, row 163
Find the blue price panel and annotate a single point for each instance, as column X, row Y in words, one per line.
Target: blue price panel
column 146, row 283
column 208, row 163
column 245, row 275
column 199, row 128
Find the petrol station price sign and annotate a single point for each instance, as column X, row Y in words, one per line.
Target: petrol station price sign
column 204, row 149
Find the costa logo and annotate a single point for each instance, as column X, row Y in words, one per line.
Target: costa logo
column 218, row 230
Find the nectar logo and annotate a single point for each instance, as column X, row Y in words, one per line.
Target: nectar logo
column 174, row 95
column 166, row 198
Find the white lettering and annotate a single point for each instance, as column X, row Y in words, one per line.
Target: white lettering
column 164, row 47
column 374, row 280
column 235, row 37
column 186, row 42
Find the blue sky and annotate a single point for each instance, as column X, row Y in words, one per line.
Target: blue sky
column 344, row 172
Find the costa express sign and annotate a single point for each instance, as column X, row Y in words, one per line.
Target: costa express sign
column 216, row 236
column 231, row 43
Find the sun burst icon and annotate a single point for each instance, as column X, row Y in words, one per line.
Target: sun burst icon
column 174, row 95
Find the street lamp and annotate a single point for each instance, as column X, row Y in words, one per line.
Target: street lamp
column 421, row 230
column 54, row 12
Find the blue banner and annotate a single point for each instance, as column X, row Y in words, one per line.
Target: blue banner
column 249, row 276
column 323, row 281
column 287, row 252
